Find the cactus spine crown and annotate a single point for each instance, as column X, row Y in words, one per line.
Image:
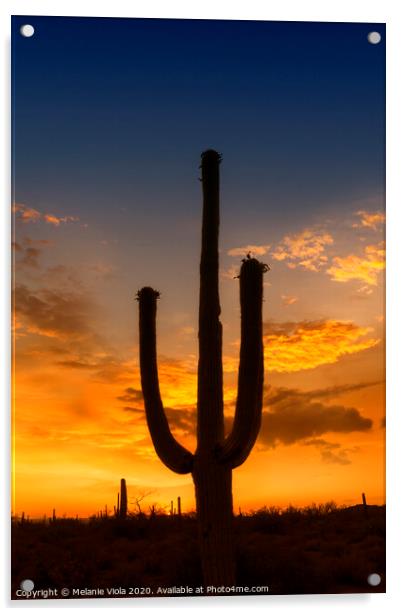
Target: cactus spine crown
column 212, row 463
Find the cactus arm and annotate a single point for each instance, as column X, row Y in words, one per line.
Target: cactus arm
column 247, row 420
column 173, row 455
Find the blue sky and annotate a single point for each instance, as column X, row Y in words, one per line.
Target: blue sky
column 114, row 111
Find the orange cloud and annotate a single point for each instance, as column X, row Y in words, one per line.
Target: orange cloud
column 26, row 215
column 178, row 381
column 291, row 347
column 305, row 249
column 250, row 248
column 371, row 220
column 353, row 267
column 56, row 221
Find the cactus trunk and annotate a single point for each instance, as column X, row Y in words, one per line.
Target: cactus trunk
column 213, row 492
column 215, row 457
column 212, row 480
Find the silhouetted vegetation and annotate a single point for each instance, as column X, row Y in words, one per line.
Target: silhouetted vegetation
column 318, row 549
column 123, row 499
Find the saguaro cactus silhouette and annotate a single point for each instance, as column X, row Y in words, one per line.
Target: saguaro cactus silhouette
column 123, row 499
column 212, row 463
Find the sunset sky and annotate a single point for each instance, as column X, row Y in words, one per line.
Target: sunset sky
column 110, row 117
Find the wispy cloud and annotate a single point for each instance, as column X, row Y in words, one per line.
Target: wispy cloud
column 288, row 300
column 295, row 346
column 30, row 215
column 29, row 251
column 104, row 271
column 230, row 273
column 365, row 268
column 332, row 453
column 305, row 249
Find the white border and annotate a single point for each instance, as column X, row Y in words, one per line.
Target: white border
column 287, row 10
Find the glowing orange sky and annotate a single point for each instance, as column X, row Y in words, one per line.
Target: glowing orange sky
column 78, row 417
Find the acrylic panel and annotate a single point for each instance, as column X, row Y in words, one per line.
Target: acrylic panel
column 198, row 308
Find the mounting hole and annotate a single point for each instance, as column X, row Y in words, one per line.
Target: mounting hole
column 27, row 585
column 374, row 38
column 27, row 30
column 374, row 579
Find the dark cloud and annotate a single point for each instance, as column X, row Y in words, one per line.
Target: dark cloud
column 320, row 442
column 284, row 328
column 131, row 395
column 29, row 251
column 294, row 415
column 54, row 313
column 331, row 457
column 290, row 423
column 133, row 409
column 75, row 364
column 182, row 420
column 31, row 256
column 106, row 368
column 275, row 396
column 66, row 317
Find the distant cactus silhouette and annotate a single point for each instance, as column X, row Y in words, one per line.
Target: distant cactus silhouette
column 364, row 503
column 215, row 457
column 123, row 499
